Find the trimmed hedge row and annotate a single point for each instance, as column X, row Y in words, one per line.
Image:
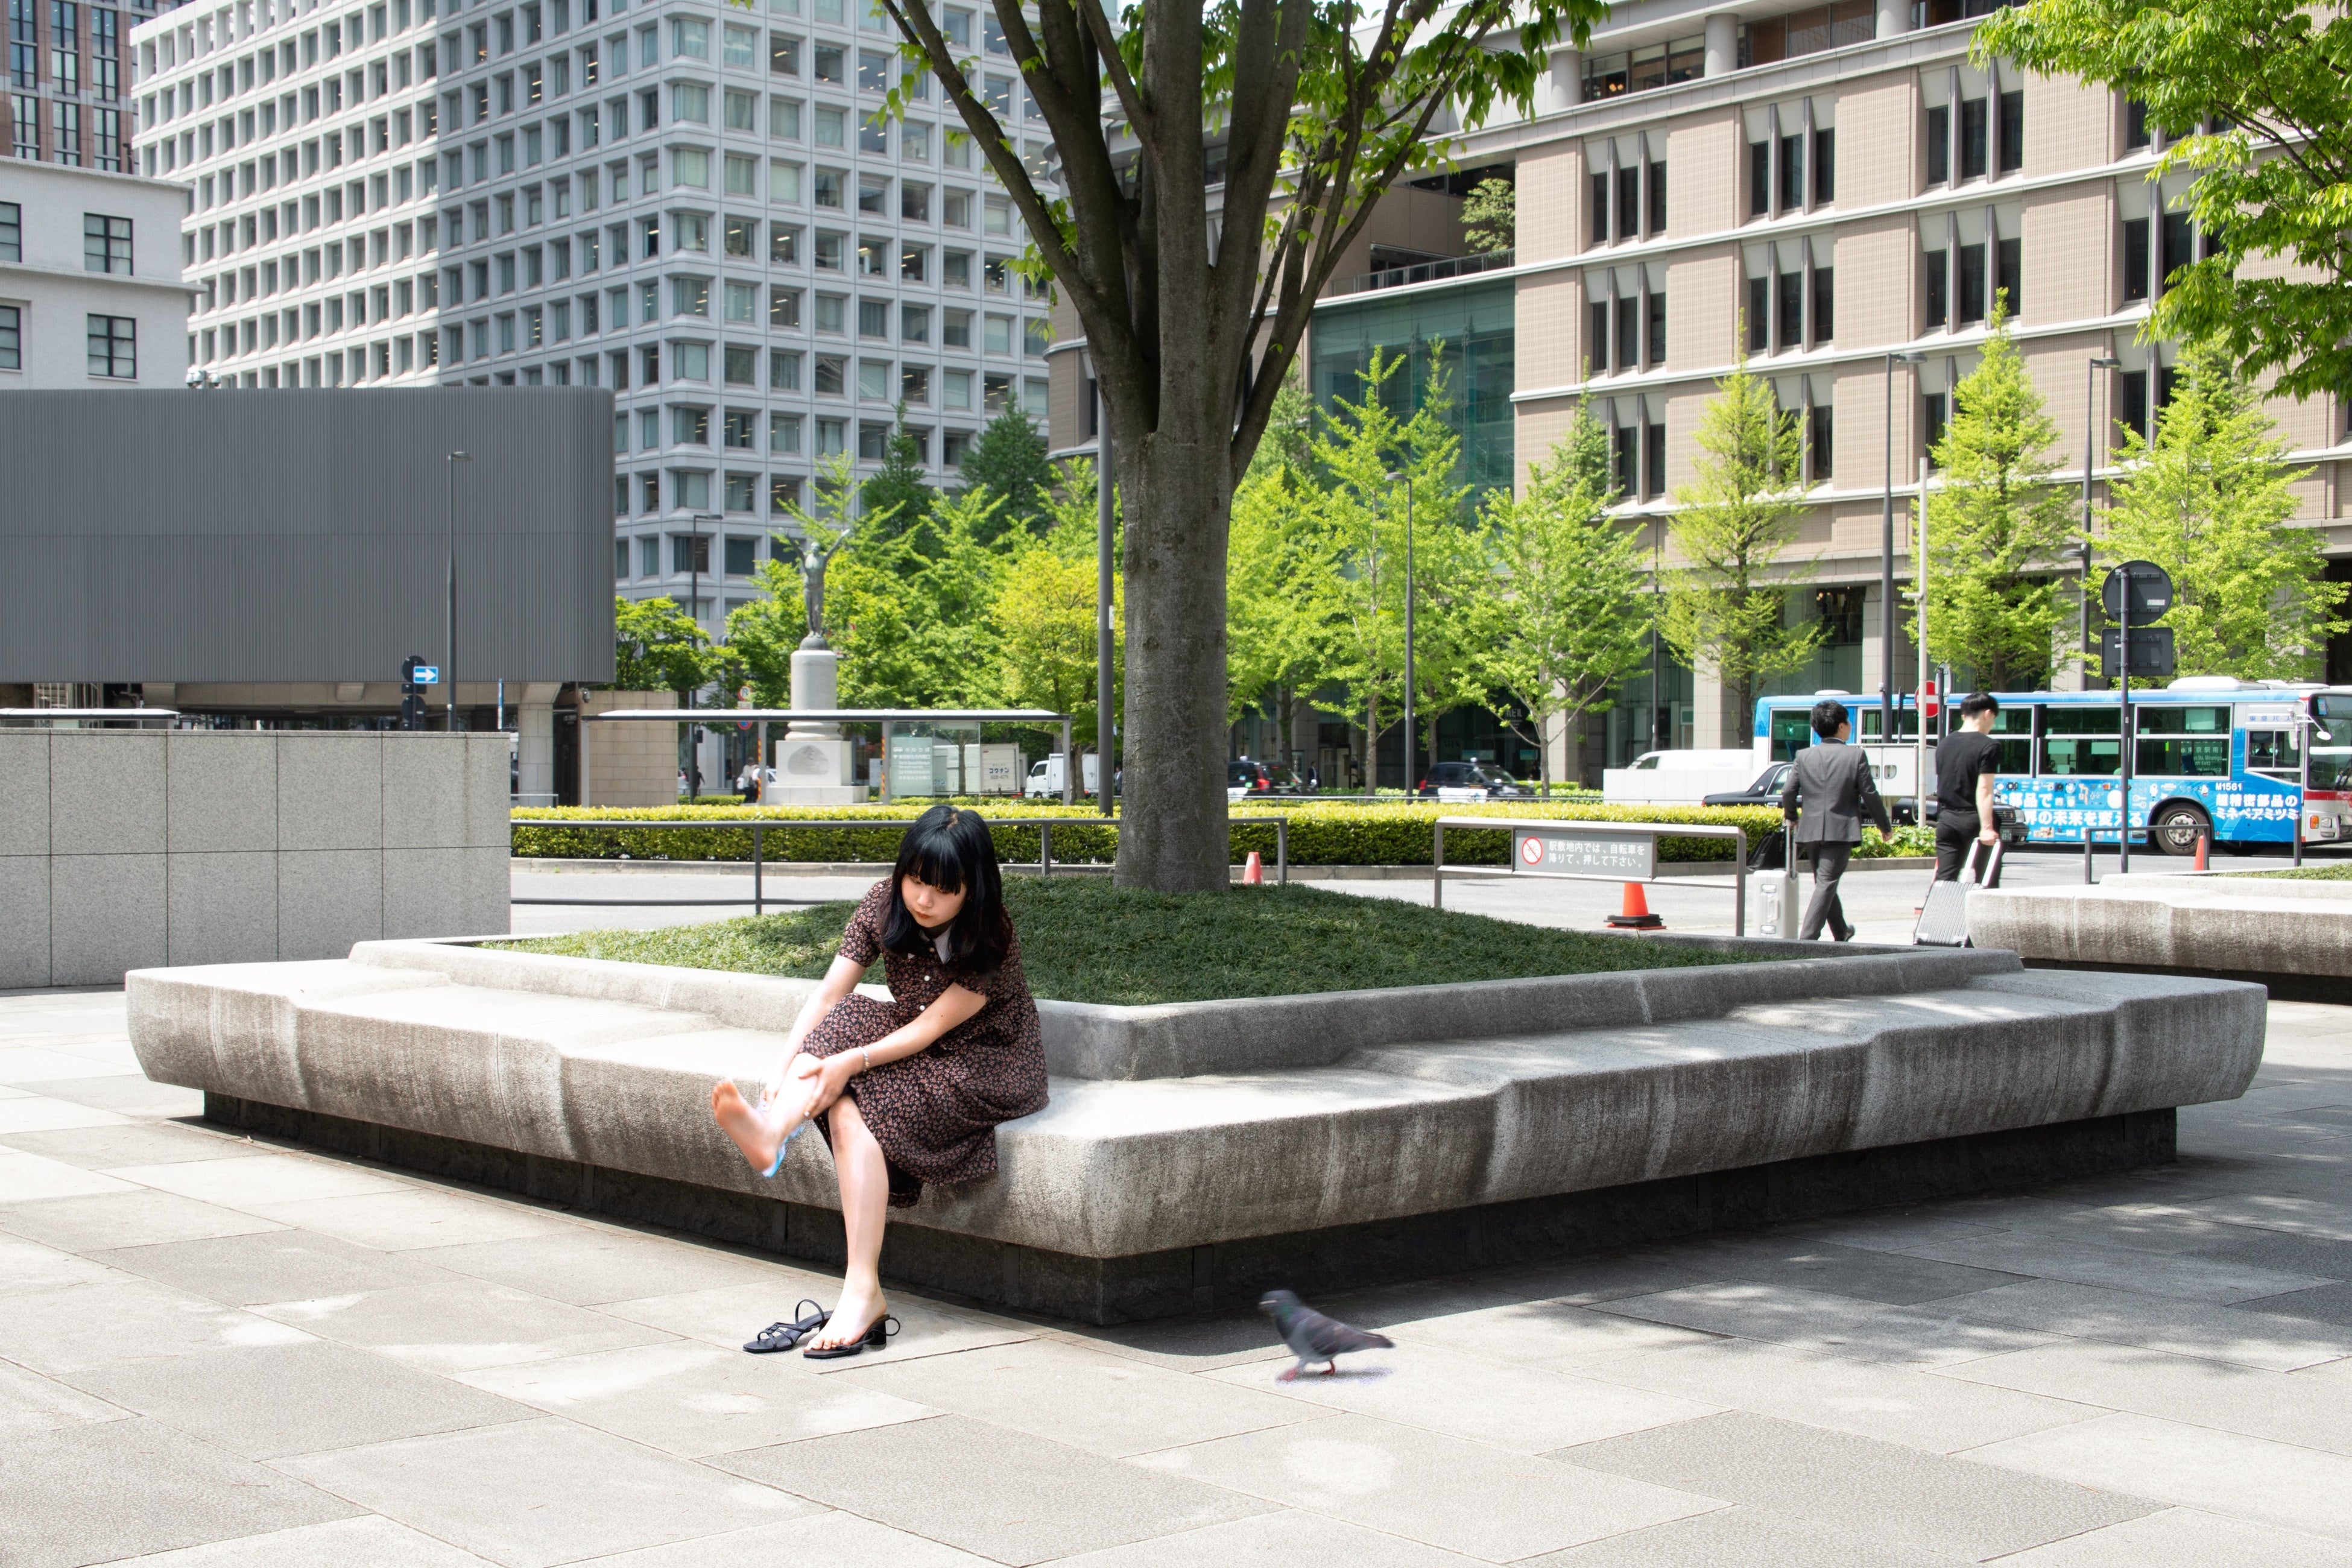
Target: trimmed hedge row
column 1320, row 835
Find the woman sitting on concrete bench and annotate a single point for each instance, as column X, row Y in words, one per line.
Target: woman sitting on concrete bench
column 908, row 1091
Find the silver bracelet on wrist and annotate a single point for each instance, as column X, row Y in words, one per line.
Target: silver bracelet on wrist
column 867, row 1052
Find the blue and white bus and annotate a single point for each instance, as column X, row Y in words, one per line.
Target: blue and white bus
column 2212, row 752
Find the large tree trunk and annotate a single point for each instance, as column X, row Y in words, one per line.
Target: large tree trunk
column 1177, row 489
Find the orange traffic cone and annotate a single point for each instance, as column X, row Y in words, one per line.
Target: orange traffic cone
column 2199, row 864
column 1253, row 871
column 1635, row 914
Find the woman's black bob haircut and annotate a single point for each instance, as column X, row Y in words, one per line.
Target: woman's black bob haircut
column 950, row 850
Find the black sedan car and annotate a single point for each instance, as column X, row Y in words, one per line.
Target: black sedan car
column 1766, row 791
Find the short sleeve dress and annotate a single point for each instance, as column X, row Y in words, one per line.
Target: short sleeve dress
column 934, row 1113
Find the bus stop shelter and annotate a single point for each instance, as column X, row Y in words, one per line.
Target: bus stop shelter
column 762, row 717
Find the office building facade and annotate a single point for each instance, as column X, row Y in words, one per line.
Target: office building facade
column 90, row 293
column 694, row 208
column 66, row 97
column 1815, row 189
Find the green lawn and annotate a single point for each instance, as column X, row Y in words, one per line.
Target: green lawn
column 2339, row 871
column 1083, row 941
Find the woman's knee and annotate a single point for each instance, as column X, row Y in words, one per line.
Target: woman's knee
column 848, row 1123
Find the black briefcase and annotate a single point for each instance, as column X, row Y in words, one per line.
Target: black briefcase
column 1944, row 919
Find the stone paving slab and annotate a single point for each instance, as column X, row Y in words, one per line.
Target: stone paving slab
column 2184, row 1538
column 536, row 1493
column 310, row 1360
column 2272, row 1483
column 1881, row 1490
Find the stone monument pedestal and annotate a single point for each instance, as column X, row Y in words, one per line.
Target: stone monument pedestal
column 813, row 760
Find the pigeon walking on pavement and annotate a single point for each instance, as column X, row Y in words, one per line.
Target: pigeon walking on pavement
column 1313, row 1337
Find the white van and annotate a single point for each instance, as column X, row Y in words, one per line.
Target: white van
column 1677, row 778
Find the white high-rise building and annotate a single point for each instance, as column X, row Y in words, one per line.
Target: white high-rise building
column 693, row 206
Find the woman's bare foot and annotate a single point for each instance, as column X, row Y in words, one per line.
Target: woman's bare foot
column 859, row 1309
column 753, row 1133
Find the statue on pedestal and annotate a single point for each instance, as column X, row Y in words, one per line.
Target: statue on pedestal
column 814, row 557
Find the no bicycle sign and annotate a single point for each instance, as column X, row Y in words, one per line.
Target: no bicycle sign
column 1575, row 850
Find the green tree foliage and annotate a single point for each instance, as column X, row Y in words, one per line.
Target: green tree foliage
column 656, row 646
column 762, row 636
column 1289, row 441
column 1042, row 624
column 1277, row 590
column 2210, row 502
column 912, row 610
column 1725, row 609
column 1009, row 461
column 2273, row 187
column 1575, row 615
column 1363, row 514
column 1073, row 511
column 1998, row 526
column 896, row 500
column 1490, row 216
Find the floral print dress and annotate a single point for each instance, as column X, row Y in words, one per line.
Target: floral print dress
column 934, row 1113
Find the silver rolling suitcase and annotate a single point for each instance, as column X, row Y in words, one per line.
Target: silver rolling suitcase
column 1780, row 902
column 1944, row 919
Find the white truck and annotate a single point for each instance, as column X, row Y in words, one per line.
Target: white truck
column 1045, row 778
column 1677, row 778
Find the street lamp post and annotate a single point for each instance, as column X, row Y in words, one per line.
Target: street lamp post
column 694, row 613
column 2090, row 463
column 1657, row 636
column 1411, row 737
column 449, row 670
column 1886, row 561
column 1406, row 475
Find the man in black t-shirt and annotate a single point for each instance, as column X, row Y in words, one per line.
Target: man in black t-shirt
column 1966, row 762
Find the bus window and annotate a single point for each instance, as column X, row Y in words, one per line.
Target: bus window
column 2276, row 752
column 2081, row 743
column 2012, row 729
column 2182, row 742
column 1793, row 731
column 1906, row 724
column 2331, row 743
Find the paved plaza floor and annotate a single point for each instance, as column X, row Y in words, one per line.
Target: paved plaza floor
column 216, row 1349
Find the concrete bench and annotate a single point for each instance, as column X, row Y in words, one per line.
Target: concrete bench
column 2294, row 935
column 1194, row 1155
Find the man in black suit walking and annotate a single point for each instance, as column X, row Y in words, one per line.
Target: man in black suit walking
column 1830, row 780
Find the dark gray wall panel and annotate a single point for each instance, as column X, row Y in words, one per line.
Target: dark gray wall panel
column 286, row 536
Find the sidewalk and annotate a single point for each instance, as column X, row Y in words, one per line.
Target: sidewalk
column 228, row 1353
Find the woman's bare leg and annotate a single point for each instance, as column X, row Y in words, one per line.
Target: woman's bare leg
column 865, row 1178
column 758, row 1130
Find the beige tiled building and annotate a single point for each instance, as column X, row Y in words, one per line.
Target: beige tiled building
column 1822, row 188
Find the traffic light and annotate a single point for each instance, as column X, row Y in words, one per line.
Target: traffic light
column 415, row 675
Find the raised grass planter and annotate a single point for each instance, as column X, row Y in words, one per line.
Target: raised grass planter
column 1195, row 1153
column 2292, row 935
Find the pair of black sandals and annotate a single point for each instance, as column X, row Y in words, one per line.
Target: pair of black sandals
column 778, row 1337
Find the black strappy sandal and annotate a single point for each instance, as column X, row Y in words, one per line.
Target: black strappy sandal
column 785, row 1336
column 872, row 1339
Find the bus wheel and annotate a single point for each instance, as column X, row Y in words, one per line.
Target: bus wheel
column 2176, row 827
